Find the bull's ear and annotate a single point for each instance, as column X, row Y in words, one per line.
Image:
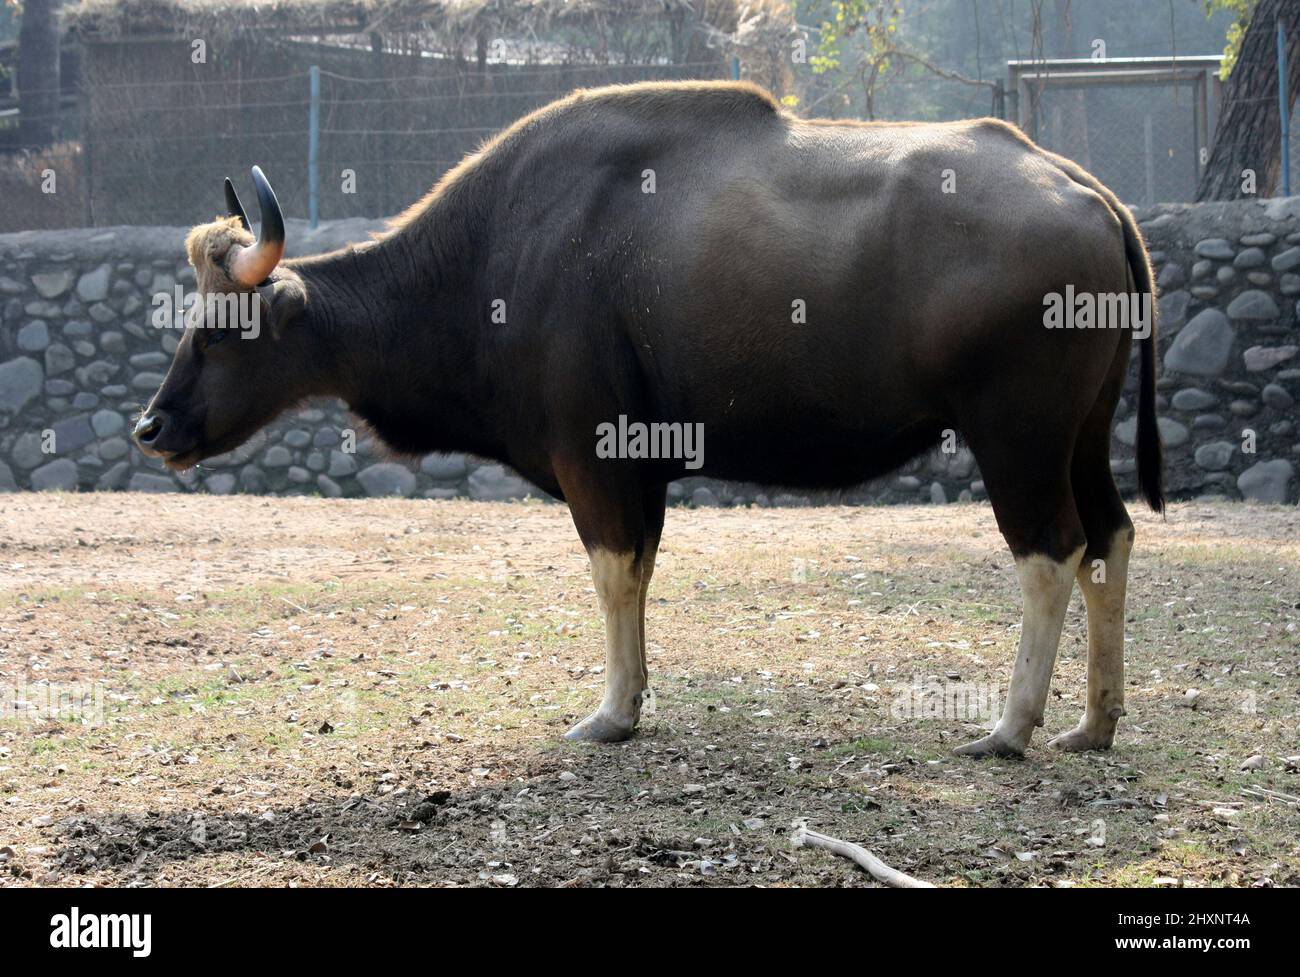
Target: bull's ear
column 234, row 208
column 283, row 300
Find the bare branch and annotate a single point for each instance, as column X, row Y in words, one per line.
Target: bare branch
column 856, row 853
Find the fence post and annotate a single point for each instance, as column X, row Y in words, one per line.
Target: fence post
column 1150, row 160
column 313, row 150
column 735, row 68
column 1283, row 109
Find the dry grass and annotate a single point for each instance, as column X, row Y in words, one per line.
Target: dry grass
column 341, row 693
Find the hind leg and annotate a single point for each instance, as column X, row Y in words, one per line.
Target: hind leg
column 1029, row 486
column 1103, row 578
column 1045, row 583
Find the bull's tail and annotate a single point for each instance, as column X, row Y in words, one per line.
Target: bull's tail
column 1150, row 452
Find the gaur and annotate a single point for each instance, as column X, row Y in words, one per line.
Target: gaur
column 820, row 300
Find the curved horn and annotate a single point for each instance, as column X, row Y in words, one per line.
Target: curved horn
column 234, row 208
column 251, row 266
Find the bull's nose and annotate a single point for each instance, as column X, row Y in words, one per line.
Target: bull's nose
column 147, row 428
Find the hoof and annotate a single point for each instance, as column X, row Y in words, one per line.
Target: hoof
column 600, row 729
column 1079, row 740
column 991, row 745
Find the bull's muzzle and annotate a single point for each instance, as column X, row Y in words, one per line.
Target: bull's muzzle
column 147, row 430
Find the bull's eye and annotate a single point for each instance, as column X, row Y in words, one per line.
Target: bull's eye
column 216, row 336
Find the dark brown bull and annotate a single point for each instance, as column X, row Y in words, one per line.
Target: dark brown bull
column 824, row 298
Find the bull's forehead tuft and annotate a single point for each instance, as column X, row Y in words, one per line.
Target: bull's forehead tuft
column 207, row 246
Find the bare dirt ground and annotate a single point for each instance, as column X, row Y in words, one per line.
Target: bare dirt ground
column 309, row 692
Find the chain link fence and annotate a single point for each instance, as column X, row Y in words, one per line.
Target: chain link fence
column 148, row 139
column 1143, row 126
column 1142, row 141
column 155, row 151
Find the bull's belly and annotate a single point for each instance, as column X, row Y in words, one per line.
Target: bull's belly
column 793, row 455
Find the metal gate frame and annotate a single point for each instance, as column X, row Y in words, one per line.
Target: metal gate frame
column 1028, row 79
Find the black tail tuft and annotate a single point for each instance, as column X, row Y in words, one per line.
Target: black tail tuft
column 1150, row 451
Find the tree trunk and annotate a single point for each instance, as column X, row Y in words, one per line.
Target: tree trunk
column 1248, row 136
column 38, row 74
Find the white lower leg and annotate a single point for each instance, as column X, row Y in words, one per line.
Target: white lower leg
column 1045, row 586
column 1104, row 585
column 618, row 586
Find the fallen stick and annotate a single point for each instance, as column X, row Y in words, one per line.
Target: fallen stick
column 1274, row 795
column 856, row 853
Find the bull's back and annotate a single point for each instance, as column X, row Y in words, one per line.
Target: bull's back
column 833, row 266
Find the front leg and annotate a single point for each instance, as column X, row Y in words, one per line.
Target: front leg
column 620, row 530
column 618, row 586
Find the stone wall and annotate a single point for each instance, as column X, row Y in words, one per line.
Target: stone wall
column 1229, row 276
column 78, row 357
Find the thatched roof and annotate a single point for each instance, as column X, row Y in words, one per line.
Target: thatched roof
column 759, row 32
column 213, row 19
